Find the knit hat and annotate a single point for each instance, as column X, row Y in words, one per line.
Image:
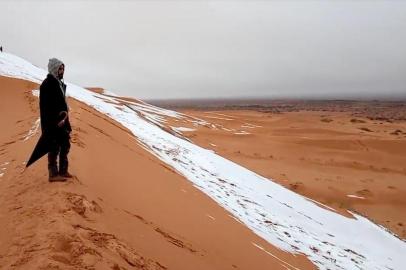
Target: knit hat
column 53, row 66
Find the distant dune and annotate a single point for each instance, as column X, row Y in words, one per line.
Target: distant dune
column 372, row 109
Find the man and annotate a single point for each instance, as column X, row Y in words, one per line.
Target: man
column 55, row 121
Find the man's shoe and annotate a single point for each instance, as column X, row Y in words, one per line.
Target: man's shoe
column 66, row 175
column 57, row 178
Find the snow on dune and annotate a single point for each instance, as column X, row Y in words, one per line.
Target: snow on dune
column 160, row 116
column 33, row 130
column 282, row 217
column 183, row 129
column 16, row 67
column 355, row 196
column 3, row 168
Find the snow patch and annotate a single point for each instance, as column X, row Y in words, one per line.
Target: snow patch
column 33, row 130
column 35, row 93
column 180, row 129
column 355, row 196
column 109, row 93
column 219, row 118
column 323, row 205
column 211, row 217
column 284, row 263
column 221, row 114
column 242, row 132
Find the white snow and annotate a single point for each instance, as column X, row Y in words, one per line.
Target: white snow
column 219, row 118
column 180, row 129
column 211, row 217
column 280, row 216
column 227, row 129
column 355, row 196
column 33, row 130
column 242, row 132
column 221, row 114
column 323, row 205
column 3, row 169
column 35, row 92
column 16, row 67
column 109, row 93
column 284, row 263
column 159, row 116
column 248, row 125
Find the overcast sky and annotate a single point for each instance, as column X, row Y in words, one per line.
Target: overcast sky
column 203, row 49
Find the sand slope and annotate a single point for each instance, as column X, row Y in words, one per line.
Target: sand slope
column 124, row 210
column 345, row 162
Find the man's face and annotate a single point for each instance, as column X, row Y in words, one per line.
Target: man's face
column 61, row 70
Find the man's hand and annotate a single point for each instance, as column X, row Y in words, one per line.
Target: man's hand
column 65, row 116
column 61, row 123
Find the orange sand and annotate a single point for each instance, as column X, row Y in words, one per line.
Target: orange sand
column 322, row 155
column 124, row 210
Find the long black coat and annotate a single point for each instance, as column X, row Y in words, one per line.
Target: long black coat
column 52, row 102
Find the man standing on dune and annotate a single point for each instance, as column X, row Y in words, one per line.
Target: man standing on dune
column 55, row 121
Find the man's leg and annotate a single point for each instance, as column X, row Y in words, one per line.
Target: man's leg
column 63, row 157
column 52, row 166
column 52, row 162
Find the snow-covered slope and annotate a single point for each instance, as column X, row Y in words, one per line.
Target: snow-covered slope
column 282, row 217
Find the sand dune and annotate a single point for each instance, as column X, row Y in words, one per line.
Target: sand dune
column 145, row 195
column 326, row 160
column 124, row 210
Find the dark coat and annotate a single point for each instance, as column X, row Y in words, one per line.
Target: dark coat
column 51, row 103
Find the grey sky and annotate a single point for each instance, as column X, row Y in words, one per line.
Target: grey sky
column 187, row 49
